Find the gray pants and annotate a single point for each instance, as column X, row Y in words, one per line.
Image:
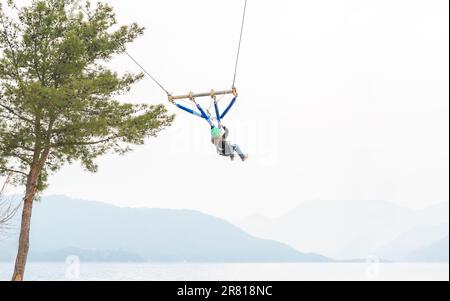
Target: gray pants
column 237, row 150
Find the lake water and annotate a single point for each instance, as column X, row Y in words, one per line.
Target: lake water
column 230, row 272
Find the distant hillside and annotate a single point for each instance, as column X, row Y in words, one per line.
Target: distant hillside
column 436, row 252
column 154, row 235
column 86, row 255
column 413, row 240
column 354, row 229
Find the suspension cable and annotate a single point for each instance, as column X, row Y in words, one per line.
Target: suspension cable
column 146, row 72
column 240, row 42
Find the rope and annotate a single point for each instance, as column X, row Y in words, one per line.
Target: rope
column 136, row 62
column 159, row 84
column 240, row 42
column 146, row 72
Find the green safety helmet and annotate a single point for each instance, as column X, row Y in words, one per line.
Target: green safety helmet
column 215, row 132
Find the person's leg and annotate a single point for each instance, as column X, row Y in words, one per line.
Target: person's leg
column 241, row 154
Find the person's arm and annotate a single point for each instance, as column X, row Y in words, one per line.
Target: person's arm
column 225, row 135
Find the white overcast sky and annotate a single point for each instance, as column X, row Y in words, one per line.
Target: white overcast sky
column 339, row 100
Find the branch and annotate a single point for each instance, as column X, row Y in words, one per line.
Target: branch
column 11, row 49
column 8, row 178
column 22, row 157
column 13, row 55
column 14, row 171
column 8, row 212
column 80, row 143
column 16, row 114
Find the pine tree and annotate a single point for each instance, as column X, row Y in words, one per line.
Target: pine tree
column 58, row 98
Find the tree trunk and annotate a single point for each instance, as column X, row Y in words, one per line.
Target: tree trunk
column 24, row 239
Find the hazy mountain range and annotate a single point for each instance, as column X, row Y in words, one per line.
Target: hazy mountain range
column 100, row 232
column 360, row 229
column 342, row 230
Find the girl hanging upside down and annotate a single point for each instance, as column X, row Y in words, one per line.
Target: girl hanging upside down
column 224, row 147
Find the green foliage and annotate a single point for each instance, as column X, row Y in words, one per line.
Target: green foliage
column 58, row 99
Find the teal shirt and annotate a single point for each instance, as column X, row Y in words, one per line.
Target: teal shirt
column 223, row 147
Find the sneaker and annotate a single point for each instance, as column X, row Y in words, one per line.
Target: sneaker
column 245, row 158
column 232, row 158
